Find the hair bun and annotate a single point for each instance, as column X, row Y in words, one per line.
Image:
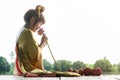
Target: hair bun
column 40, row 8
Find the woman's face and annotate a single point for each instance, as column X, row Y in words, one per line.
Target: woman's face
column 37, row 26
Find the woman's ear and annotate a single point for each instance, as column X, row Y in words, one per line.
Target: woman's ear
column 32, row 21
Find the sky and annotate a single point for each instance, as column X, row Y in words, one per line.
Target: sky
column 84, row 30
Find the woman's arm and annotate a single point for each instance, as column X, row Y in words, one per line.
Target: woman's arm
column 43, row 41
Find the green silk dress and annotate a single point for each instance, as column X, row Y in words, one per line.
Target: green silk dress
column 29, row 54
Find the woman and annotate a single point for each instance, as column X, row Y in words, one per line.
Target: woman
column 28, row 51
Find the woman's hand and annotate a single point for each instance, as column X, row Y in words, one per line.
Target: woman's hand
column 41, row 31
column 44, row 40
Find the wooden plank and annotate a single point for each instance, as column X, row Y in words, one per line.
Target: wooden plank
column 71, row 78
column 111, row 77
column 34, row 78
column 82, row 78
column 6, row 77
column 117, row 77
column 102, row 77
column 10, row 77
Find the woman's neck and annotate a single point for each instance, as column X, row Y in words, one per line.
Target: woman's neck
column 27, row 26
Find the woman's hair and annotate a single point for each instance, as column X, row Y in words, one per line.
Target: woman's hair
column 36, row 14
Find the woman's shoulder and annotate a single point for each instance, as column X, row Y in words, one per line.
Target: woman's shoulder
column 27, row 31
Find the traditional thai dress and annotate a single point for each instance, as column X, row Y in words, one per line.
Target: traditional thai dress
column 28, row 54
column 29, row 58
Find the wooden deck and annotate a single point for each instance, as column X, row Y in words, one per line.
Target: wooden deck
column 102, row 77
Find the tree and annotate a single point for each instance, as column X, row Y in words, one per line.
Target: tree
column 118, row 65
column 62, row 65
column 11, row 68
column 104, row 64
column 4, row 65
column 114, row 69
column 47, row 65
column 78, row 64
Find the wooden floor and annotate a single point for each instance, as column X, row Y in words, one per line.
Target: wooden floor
column 102, row 77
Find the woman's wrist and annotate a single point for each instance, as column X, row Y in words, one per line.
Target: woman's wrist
column 41, row 45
